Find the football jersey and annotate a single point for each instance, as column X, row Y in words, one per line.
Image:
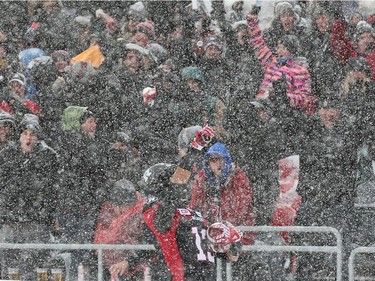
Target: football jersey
column 184, row 246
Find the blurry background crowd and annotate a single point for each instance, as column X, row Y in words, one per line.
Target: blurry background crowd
column 94, row 92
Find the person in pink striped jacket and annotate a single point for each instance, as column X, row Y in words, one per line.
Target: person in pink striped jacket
column 284, row 63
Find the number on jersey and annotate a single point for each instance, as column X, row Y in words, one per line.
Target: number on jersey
column 199, row 237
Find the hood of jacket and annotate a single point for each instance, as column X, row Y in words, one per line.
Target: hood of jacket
column 72, row 118
column 217, row 149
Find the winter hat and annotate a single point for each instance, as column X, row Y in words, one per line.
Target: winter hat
column 5, row 117
column 284, row 8
column 33, row 33
column 83, row 20
column 329, row 102
column 60, row 55
column 358, row 64
column 137, row 10
column 320, row 11
column 187, row 135
column 19, row 78
column 192, row 72
column 213, row 41
column 73, row 116
column 123, row 192
column 148, row 28
column 257, row 104
column 157, row 53
column 124, row 137
column 82, row 71
column 363, row 27
column 30, row 121
column 238, row 25
column 137, row 48
column 28, row 55
column 291, row 42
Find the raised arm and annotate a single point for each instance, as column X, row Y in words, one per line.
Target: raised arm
column 259, row 44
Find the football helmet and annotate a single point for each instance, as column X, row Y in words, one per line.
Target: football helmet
column 156, row 178
column 222, row 235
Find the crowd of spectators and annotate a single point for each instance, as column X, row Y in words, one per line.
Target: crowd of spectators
column 93, row 93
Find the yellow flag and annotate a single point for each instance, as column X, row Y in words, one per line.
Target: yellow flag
column 92, row 55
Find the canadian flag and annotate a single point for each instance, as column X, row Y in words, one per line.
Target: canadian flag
column 288, row 201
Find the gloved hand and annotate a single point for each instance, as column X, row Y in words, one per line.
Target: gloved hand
column 222, row 235
column 203, row 138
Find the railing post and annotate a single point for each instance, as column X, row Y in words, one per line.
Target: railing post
column 339, row 258
column 351, row 265
column 219, row 267
column 100, row 265
column 229, row 271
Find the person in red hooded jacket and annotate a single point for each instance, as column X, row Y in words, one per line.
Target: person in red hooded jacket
column 119, row 222
column 223, row 193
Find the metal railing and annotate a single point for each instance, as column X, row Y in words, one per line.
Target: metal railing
column 289, row 248
column 98, row 247
column 255, row 248
column 359, row 250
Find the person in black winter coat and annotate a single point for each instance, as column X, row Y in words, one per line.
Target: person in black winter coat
column 326, row 73
column 246, row 73
column 357, row 96
column 214, row 66
column 83, row 181
column 44, row 74
column 57, row 28
column 195, row 105
column 7, row 129
column 123, row 158
column 29, row 187
column 120, row 105
column 277, row 132
column 327, row 184
column 286, row 22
